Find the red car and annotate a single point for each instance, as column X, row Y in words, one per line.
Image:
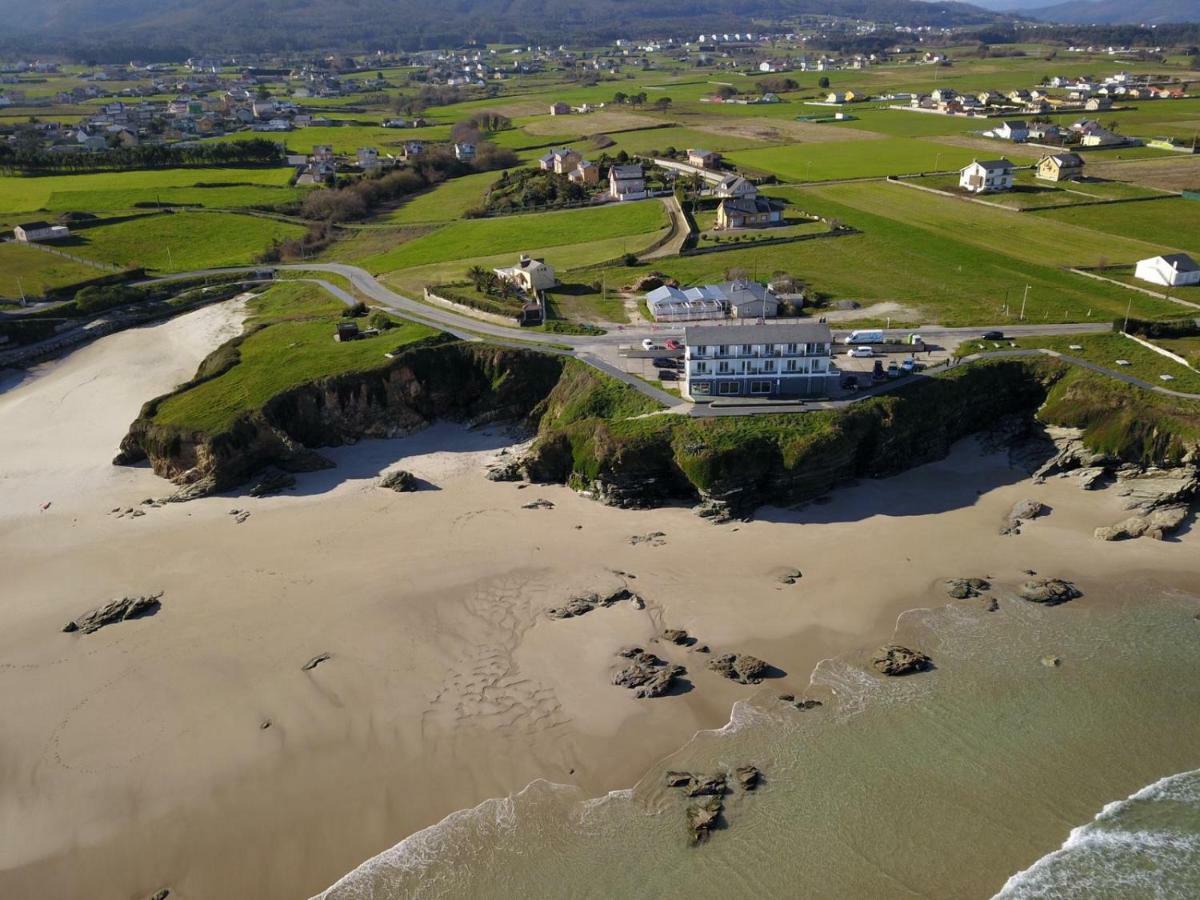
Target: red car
column 673, row 344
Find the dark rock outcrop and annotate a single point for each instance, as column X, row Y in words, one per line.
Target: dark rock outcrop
column 272, row 483
column 585, row 603
column 648, row 676
column 895, row 660
column 401, row 481
column 678, row 636
column 1049, row 591
column 119, row 610
column 740, row 667
column 702, row 818
column 1022, row 511
column 748, row 777
column 966, row 588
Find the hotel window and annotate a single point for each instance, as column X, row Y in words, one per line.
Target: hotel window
column 729, row 388
column 791, row 365
column 722, row 350
column 760, row 387
column 723, row 368
column 769, row 366
column 702, row 368
column 746, row 349
column 792, row 349
column 701, row 387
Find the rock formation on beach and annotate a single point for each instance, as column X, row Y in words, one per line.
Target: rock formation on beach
column 272, row 483
column 401, row 481
column 1049, row 591
column 1022, row 511
column 585, row 603
column 895, row 660
column 966, row 588
column 119, row 610
column 647, row 675
column 740, row 667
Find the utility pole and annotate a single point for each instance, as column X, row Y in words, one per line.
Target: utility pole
column 1128, row 307
column 1023, row 299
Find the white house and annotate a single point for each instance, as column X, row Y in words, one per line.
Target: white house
column 764, row 360
column 28, row 232
column 735, row 187
column 1011, row 131
column 464, row 152
column 529, row 274
column 1172, row 270
column 626, row 182
column 989, row 175
column 368, row 158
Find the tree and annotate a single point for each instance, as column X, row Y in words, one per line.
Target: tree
column 725, row 91
column 478, row 276
column 620, row 97
column 630, row 260
column 662, row 104
column 823, row 82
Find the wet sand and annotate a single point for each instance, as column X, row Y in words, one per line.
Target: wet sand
column 135, row 758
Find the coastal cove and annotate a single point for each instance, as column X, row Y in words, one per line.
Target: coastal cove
column 177, row 750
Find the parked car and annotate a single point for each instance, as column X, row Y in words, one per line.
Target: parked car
column 860, row 352
column 666, row 362
column 993, row 335
column 647, row 344
column 893, row 370
column 673, row 344
column 908, row 366
column 668, row 375
column 850, row 383
column 877, row 374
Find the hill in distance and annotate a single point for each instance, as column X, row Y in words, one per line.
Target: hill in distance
column 1102, row 12
column 267, row 25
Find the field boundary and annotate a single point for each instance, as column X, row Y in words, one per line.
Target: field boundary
column 1133, row 287
column 844, row 231
column 1162, row 351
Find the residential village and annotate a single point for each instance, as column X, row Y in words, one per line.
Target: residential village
column 735, row 180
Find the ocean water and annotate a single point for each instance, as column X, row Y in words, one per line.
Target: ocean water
column 1146, row 846
column 942, row 784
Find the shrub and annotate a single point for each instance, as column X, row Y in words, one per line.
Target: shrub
column 357, row 311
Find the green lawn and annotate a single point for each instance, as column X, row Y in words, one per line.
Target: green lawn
column 512, row 234
column 347, row 138
column 296, row 346
column 107, row 191
column 1188, row 348
column 1169, row 224
column 446, row 202
column 1031, row 193
column 35, row 271
column 183, row 241
column 941, row 259
column 860, row 159
column 1103, row 350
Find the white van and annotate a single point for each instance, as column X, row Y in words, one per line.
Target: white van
column 874, row 336
column 860, row 352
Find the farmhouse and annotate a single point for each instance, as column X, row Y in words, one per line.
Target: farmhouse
column 703, row 159
column 1060, row 167
column 561, row 161
column 626, row 182
column 737, row 187
column 751, row 212
column 585, row 173
column 1172, row 270
column 1011, row 131
column 989, row 175
column 464, row 152
column 368, row 158
column 765, row 360
column 529, row 274
column 29, row 232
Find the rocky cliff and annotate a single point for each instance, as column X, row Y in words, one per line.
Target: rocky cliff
column 436, row 379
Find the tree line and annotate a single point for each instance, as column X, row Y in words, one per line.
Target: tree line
column 23, row 158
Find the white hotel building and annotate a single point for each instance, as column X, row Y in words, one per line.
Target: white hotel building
column 764, row 361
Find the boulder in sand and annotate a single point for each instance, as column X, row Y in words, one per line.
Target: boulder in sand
column 401, row 481
column 1049, row 591
column 585, row 603
column 648, row 676
column 740, row 667
column 966, row 588
column 748, row 777
column 702, row 818
column 119, row 610
column 895, row 659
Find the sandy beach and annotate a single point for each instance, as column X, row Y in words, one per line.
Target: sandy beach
column 190, row 750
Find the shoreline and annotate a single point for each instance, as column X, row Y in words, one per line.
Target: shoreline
column 140, row 760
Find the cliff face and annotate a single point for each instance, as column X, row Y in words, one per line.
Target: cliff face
column 456, row 381
column 732, row 465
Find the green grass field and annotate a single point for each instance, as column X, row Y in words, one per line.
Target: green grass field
column 182, row 241
column 445, row 203
column 1031, row 193
column 1168, row 224
column 296, row 346
column 109, row 191
column 860, row 159
column 1104, row 350
column 511, row 234
column 33, row 271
